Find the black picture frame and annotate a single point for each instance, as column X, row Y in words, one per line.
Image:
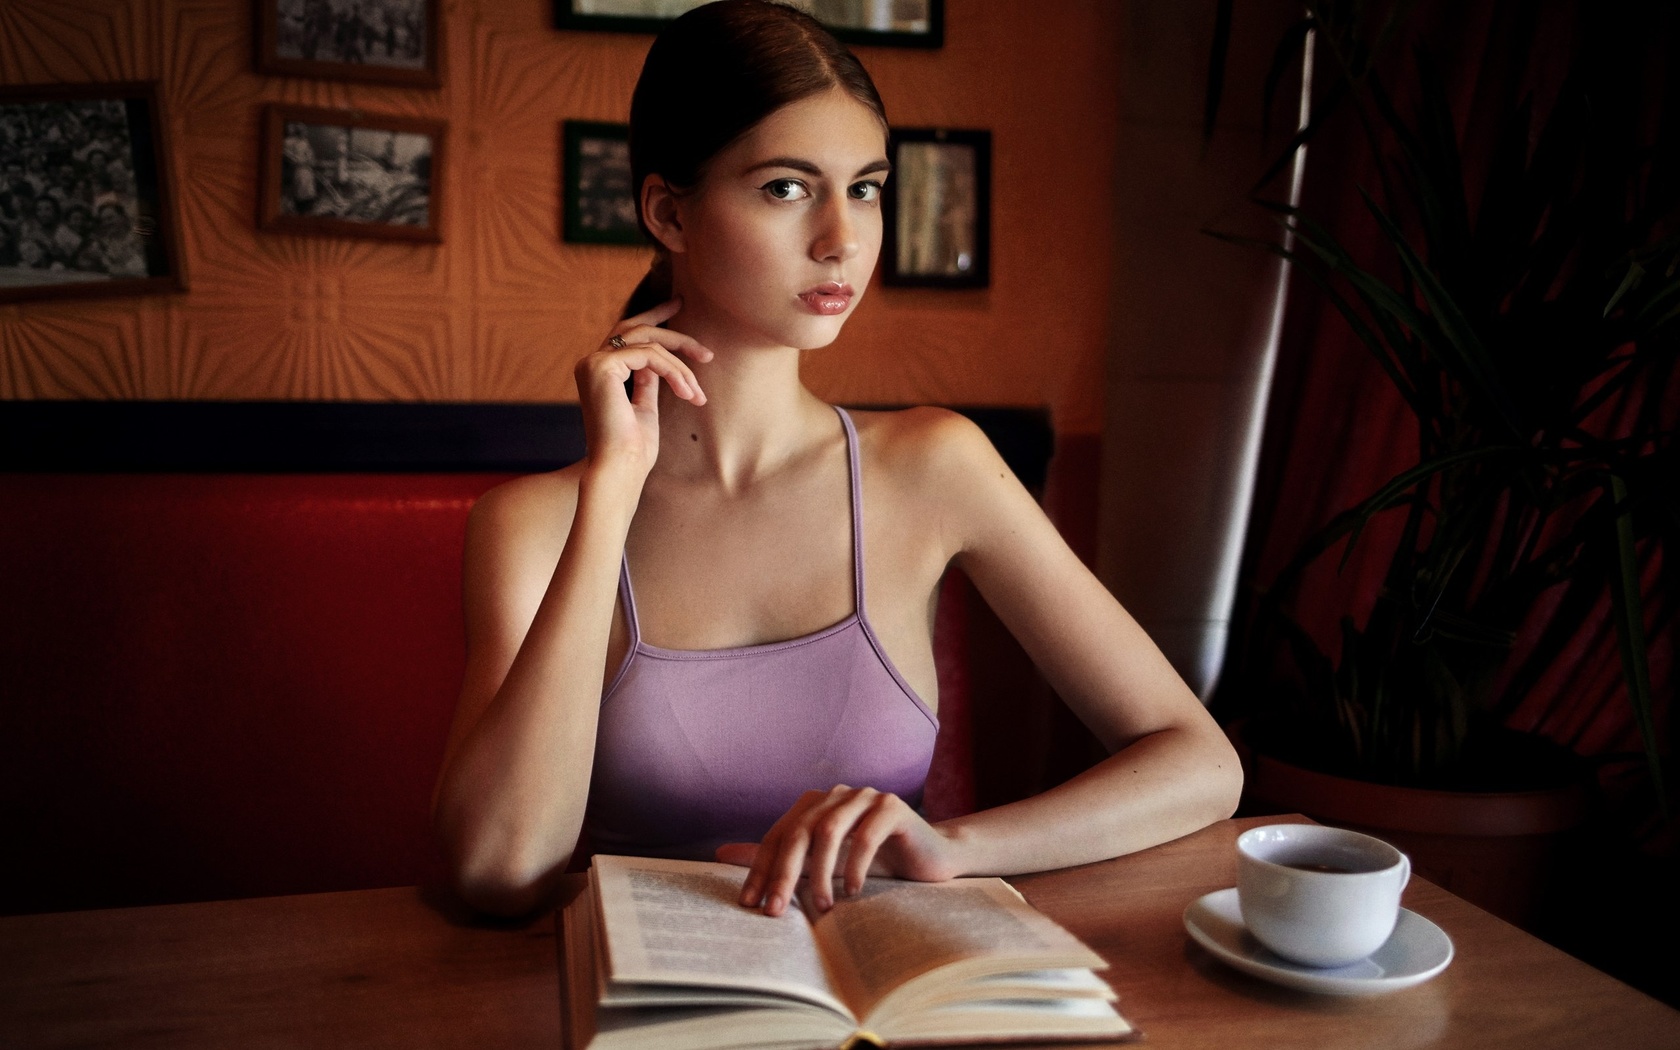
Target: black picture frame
column 341, row 202
column 290, row 40
column 575, row 14
column 937, row 209
column 598, row 203
column 126, row 242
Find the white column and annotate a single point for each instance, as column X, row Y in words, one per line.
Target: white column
column 1196, row 329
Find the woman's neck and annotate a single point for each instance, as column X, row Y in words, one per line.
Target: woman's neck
column 757, row 416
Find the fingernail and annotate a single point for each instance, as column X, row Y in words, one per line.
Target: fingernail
column 774, row 905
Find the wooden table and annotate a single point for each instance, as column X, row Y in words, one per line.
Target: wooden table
column 399, row 968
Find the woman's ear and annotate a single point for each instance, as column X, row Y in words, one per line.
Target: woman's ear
column 660, row 212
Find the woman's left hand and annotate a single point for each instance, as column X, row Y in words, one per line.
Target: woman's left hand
column 859, row 831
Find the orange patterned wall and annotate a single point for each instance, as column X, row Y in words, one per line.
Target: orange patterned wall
column 502, row 308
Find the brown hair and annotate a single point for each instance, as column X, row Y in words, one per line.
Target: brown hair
column 709, row 78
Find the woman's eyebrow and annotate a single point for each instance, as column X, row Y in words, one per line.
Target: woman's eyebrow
column 786, row 162
column 811, row 169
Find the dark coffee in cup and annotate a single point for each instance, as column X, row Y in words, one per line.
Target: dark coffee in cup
column 1330, row 869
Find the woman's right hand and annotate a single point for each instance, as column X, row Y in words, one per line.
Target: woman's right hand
column 624, row 429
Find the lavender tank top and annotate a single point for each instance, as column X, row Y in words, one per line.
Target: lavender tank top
column 696, row 748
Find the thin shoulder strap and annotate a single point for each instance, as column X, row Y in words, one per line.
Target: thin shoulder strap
column 628, row 594
column 855, row 470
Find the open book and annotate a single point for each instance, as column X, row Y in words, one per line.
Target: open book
column 659, row 954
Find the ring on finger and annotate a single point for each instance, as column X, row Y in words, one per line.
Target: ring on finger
column 617, row 342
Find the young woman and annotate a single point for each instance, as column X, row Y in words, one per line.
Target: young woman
column 713, row 635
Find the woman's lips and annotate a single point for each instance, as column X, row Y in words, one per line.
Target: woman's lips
column 828, row 299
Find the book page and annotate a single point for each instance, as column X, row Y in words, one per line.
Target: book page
column 894, row 932
column 678, row 922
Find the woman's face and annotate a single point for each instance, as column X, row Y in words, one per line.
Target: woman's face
column 779, row 239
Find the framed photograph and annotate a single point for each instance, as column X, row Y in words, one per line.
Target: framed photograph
column 384, row 41
column 599, row 204
column 347, row 173
column 938, row 208
column 85, row 201
column 891, row 23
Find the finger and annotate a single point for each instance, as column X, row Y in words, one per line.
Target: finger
column 740, row 853
column 810, row 846
column 868, row 835
column 617, row 365
column 677, row 374
column 673, row 341
column 830, row 826
column 658, row 315
column 753, row 887
column 781, row 858
column 645, row 390
column 787, row 863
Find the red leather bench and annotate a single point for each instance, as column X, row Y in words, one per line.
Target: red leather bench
column 219, row 684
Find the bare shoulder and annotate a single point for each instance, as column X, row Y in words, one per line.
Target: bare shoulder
column 527, row 517
column 531, row 499
column 923, row 446
column 942, row 469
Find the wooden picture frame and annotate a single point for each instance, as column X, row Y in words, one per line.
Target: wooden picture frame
column 87, row 206
column 350, row 173
column 650, row 16
column 310, row 38
column 937, row 209
column 598, row 202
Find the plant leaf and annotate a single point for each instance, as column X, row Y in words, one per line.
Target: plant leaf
column 1386, row 497
column 1325, row 108
column 1634, row 273
column 1461, row 337
column 1217, row 56
column 1286, row 54
column 1627, row 610
column 1379, row 349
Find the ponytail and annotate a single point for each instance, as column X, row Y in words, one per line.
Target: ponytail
column 654, row 289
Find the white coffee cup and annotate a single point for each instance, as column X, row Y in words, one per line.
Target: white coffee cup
column 1319, row 896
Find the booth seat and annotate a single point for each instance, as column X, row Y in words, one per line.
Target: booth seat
column 222, row 684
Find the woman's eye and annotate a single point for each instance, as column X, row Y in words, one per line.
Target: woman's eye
column 866, row 191
column 786, row 189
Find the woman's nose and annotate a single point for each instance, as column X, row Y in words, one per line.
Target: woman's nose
column 837, row 233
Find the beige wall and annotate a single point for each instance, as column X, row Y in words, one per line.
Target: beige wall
column 502, row 308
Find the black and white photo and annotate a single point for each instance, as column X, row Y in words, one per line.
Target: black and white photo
column 83, row 195
column 900, row 23
column 390, row 41
column 938, row 222
column 343, row 172
column 600, row 203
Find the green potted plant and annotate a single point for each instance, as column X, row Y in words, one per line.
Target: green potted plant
column 1531, row 325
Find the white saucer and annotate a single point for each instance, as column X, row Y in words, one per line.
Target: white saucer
column 1416, row 951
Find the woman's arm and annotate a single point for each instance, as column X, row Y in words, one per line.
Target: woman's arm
column 1170, row 768
column 509, row 802
column 510, row 799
